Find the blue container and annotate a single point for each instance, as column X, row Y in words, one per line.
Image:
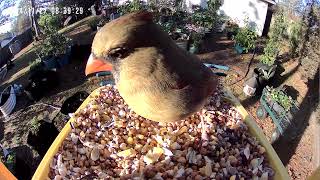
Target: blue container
column 64, row 59
column 51, row 63
column 238, row 49
column 226, row 68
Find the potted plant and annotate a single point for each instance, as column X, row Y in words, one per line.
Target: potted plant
column 282, row 103
column 267, row 67
column 196, row 41
column 266, row 73
column 55, row 50
column 260, row 78
column 245, row 40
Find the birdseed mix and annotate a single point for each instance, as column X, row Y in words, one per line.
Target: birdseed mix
column 110, row 141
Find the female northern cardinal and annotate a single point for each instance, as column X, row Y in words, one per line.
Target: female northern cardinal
column 157, row 79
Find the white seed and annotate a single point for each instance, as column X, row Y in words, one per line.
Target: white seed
column 254, row 163
column 175, row 145
column 74, row 138
column 246, row 152
column 95, row 154
column 122, row 113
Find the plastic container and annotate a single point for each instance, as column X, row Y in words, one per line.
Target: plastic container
column 64, row 59
column 9, row 103
column 51, row 63
column 239, row 49
column 280, row 171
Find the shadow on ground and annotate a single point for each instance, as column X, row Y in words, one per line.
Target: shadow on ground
column 300, row 122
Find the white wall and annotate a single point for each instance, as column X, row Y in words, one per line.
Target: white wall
column 255, row 10
column 238, row 10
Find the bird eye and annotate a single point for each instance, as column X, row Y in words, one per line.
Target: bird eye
column 117, row 53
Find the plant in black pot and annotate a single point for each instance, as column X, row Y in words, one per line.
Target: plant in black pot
column 55, row 50
column 245, row 40
column 264, row 72
column 181, row 39
column 267, row 64
column 41, row 135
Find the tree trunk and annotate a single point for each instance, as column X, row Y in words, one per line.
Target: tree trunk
column 34, row 19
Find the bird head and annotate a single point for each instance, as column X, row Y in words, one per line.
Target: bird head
column 126, row 40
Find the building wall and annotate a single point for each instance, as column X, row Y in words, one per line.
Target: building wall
column 238, row 10
column 24, row 39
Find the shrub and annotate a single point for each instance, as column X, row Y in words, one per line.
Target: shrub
column 246, row 38
column 277, row 34
column 49, row 22
column 295, row 37
column 270, row 53
column 203, row 18
column 279, row 26
column 34, row 125
column 131, row 6
column 55, row 44
column 213, row 6
column 310, row 44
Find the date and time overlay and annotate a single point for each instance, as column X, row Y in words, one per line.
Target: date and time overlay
column 57, row 10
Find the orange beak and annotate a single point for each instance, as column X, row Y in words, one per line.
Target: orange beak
column 95, row 65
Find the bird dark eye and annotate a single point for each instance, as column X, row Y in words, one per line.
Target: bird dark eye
column 117, row 53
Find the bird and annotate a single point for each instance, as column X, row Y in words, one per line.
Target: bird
column 157, row 79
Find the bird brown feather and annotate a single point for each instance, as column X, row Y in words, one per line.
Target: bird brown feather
column 157, row 79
